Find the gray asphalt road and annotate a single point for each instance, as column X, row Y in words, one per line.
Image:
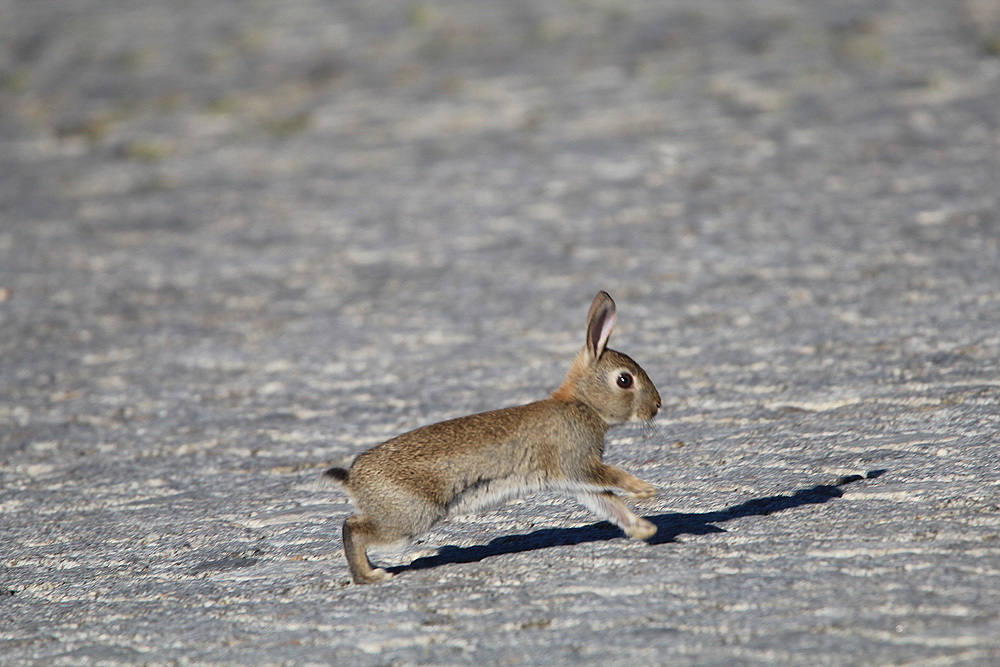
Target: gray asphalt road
column 242, row 241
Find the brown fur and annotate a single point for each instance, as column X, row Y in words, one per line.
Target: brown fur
column 407, row 484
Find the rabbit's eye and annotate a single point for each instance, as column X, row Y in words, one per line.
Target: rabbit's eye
column 625, row 380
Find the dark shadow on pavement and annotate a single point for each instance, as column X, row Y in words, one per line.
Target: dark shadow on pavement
column 668, row 526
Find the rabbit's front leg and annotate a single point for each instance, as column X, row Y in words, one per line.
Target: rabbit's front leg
column 601, row 474
column 609, row 507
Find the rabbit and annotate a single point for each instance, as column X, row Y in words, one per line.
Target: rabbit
column 406, row 485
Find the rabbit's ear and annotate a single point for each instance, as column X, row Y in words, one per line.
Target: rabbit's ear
column 600, row 322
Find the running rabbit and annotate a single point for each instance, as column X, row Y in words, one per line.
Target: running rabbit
column 409, row 483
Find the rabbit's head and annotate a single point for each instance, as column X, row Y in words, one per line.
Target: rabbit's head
column 606, row 380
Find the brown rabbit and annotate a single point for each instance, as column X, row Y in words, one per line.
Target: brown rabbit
column 409, row 483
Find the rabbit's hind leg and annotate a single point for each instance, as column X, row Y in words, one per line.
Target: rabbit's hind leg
column 359, row 532
column 609, row 507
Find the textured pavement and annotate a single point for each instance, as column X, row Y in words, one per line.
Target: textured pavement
column 241, row 241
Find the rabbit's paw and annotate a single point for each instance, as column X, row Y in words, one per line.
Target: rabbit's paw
column 642, row 530
column 376, row 575
column 642, row 493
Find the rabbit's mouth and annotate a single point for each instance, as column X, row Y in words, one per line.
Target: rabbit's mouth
column 648, row 412
column 644, row 414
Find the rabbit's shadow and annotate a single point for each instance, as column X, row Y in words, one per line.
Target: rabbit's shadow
column 668, row 526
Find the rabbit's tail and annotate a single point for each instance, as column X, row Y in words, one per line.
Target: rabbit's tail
column 339, row 474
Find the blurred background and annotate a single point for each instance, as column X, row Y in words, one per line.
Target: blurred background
column 372, row 185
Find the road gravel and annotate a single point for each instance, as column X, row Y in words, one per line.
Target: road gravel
column 242, row 241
